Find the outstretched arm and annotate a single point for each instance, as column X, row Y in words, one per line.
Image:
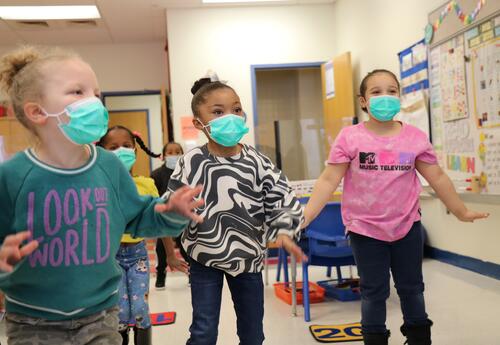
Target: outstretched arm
column 445, row 190
column 323, row 189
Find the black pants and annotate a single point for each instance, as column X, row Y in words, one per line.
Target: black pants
column 375, row 259
column 161, row 254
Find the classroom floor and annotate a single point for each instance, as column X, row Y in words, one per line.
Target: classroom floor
column 464, row 306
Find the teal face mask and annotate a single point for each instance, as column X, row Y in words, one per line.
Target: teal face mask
column 127, row 156
column 227, row 130
column 384, row 107
column 88, row 121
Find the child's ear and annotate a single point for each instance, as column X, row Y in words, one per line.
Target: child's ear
column 34, row 113
column 363, row 102
column 197, row 124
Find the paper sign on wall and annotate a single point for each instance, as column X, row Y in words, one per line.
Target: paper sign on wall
column 188, row 130
column 329, row 80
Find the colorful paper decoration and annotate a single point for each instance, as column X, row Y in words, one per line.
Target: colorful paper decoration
column 466, row 19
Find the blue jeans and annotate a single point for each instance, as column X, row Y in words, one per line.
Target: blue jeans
column 247, row 292
column 374, row 260
column 134, row 286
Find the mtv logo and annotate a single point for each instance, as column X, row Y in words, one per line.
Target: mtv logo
column 367, row 157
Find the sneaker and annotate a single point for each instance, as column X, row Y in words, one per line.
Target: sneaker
column 160, row 282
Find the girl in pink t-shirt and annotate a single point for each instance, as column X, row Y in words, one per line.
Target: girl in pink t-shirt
column 378, row 160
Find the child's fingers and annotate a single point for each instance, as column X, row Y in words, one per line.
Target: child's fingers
column 196, row 204
column 5, row 267
column 195, row 217
column 192, row 193
column 16, row 239
column 481, row 215
column 184, row 267
column 297, row 252
column 28, row 248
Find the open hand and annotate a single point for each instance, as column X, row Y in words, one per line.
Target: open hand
column 176, row 264
column 470, row 216
column 285, row 242
column 183, row 203
column 12, row 252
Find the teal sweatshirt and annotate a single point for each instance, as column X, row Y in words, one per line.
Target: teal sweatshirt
column 79, row 217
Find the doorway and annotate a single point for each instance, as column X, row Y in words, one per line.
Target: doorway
column 289, row 98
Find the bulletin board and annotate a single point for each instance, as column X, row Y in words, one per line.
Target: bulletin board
column 464, row 75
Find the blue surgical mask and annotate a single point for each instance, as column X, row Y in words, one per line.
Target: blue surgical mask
column 171, row 161
column 227, row 130
column 126, row 156
column 88, row 121
column 384, row 107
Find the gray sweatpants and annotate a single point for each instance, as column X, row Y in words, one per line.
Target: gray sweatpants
column 97, row 329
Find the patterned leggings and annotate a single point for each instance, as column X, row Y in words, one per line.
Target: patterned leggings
column 134, row 286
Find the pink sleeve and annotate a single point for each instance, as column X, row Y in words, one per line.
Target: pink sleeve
column 427, row 155
column 339, row 152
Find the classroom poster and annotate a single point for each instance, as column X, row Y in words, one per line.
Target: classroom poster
column 436, row 104
column 452, row 80
column 458, row 137
column 413, row 68
column 414, row 110
column 485, row 61
column 489, row 153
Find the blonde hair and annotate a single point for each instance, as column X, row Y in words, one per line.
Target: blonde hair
column 21, row 75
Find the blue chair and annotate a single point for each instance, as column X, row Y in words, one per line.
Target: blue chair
column 325, row 244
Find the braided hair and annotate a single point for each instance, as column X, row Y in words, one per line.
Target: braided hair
column 134, row 136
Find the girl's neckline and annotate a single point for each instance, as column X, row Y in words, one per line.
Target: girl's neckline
column 30, row 153
column 237, row 156
column 384, row 137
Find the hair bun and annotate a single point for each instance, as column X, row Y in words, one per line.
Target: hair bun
column 12, row 63
column 199, row 84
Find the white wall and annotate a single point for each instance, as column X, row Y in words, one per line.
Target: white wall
column 229, row 40
column 375, row 31
column 123, row 67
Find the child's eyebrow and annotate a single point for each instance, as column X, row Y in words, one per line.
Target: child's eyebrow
column 217, row 105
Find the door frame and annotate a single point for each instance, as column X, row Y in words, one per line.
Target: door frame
column 149, row 129
column 259, row 67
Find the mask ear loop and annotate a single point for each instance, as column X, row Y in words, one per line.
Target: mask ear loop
column 204, row 127
column 56, row 115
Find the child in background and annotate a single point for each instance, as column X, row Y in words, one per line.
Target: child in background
column 60, row 277
column 378, row 160
column 133, row 254
column 165, row 250
column 248, row 203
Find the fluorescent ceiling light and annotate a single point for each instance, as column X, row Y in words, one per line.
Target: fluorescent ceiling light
column 233, row 1
column 48, row 12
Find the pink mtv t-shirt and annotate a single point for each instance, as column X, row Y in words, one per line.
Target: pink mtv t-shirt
column 381, row 187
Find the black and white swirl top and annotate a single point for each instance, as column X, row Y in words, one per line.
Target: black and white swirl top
column 248, row 202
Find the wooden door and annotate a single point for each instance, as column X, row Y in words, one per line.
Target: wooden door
column 135, row 120
column 338, row 108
